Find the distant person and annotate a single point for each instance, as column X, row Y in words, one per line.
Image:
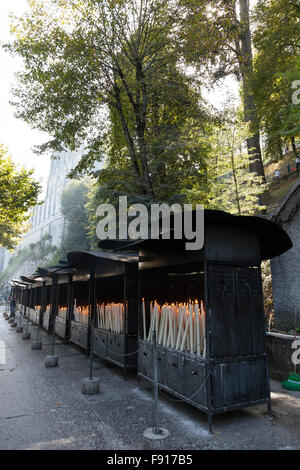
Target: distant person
column 288, row 168
column 12, row 308
column 298, row 164
column 287, row 149
column 277, row 175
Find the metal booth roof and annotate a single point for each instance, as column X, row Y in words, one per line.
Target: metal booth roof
column 102, row 263
column 273, row 239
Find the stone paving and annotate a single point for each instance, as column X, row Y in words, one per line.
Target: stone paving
column 44, row 408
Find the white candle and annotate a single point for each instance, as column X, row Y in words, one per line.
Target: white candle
column 181, row 313
column 151, row 322
column 197, row 319
column 203, row 329
column 144, row 319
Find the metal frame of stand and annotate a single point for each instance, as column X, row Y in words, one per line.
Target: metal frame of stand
column 117, row 348
column 234, row 372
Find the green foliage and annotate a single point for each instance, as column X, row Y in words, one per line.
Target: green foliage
column 18, row 194
column 35, row 252
column 277, row 66
column 73, row 201
column 234, row 188
column 120, row 86
column 216, row 38
column 15, row 263
column 267, row 292
column 114, row 74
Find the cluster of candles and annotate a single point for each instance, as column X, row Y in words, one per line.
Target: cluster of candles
column 111, row 317
column 180, row 326
column 81, row 313
column 37, row 310
column 62, row 312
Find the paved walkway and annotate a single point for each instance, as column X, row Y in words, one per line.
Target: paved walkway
column 44, row 409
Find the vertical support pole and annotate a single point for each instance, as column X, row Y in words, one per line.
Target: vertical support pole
column 90, row 386
column 264, row 329
column 29, row 306
column 41, row 310
column 52, row 361
column 208, row 348
column 25, row 301
column 125, row 302
column 54, row 310
column 70, row 304
column 209, row 372
column 92, row 320
column 34, row 297
column 20, row 310
column 51, row 307
column 44, row 302
column 155, row 383
column 131, row 309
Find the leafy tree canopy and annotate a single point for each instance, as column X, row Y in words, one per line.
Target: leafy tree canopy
column 18, row 193
column 277, row 66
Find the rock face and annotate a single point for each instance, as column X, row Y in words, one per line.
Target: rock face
column 286, row 268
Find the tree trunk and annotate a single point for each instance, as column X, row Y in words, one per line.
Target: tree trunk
column 280, row 151
column 294, row 147
column 250, row 113
column 129, row 140
column 140, row 111
column 144, row 162
column 235, row 184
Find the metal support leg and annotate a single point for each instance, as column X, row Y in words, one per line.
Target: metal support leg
column 155, row 384
column 155, row 432
column 270, row 411
column 52, row 361
column 210, row 422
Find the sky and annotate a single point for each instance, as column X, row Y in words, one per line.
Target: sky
column 17, row 135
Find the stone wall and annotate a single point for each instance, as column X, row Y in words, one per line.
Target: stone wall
column 286, row 268
column 279, row 351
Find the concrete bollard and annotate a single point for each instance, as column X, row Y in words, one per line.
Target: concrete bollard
column 19, row 329
column 90, row 386
column 161, row 434
column 36, row 345
column 26, row 335
column 51, row 361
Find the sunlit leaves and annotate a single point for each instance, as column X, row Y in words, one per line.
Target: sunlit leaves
column 18, row 193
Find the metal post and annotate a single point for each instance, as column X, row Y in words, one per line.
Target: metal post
column 20, row 317
column 25, row 334
column 53, row 336
column 90, row 386
column 52, row 361
column 92, row 319
column 41, row 310
column 29, row 307
column 155, row 433
column 155, row 383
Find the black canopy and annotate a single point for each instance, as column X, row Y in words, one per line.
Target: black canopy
column 274, row 240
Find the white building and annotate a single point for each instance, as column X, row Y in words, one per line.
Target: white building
column 47, row 217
